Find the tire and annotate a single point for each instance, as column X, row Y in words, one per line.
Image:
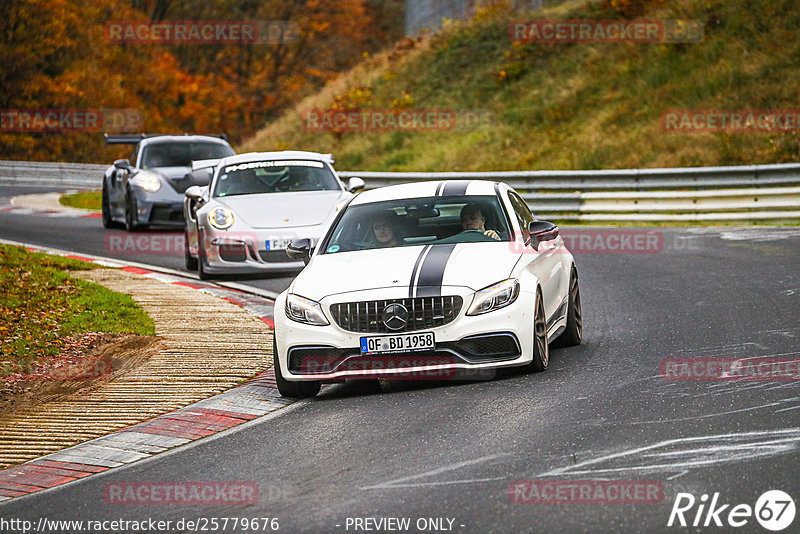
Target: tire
column 108, row 222
column 201, row 262
column 292, row 389
column 130, row 209
column 573, row 334
column 189, row 260
column 541, row 350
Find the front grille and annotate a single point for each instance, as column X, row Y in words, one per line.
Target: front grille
column 275, row 256
column 232, row 253
column 423, row 312
column 488, row 347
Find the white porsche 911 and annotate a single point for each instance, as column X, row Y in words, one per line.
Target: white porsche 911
column 255, row 205
column 426, row 278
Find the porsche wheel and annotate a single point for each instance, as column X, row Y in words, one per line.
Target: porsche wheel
column 541, row 350
column 189, row 260
column 573, row 334
column 131, row 225
column 105, row 206
column 292, row 389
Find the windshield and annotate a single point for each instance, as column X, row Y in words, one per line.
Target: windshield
column 419, row 221
column 182, row 154
column 275, row 177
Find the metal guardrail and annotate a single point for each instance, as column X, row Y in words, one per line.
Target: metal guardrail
column 750, row 192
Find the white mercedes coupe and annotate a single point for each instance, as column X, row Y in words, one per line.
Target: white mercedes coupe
column 425, row 280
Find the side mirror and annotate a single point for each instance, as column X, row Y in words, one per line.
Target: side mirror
column 201, row 177
column 195, row 192
column 122, row 164
column 541, row 231
column 300, row 249
column 355, row 183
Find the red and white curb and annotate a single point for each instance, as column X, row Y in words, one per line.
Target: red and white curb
column 253, row 399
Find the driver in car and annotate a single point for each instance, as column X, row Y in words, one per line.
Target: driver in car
column 472, row 223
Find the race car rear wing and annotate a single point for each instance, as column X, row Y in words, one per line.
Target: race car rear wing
column 133, row 139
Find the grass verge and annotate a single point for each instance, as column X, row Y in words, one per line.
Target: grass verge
column 85, row 200
column 42, row 307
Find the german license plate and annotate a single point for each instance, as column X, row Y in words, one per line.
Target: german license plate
column 278, row 244
column 398, row 343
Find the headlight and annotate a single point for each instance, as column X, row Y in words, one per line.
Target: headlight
column 220, row 218
column 147, row 181
column 494, row 297
column 304, row 310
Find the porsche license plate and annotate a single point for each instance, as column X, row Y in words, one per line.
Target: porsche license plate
column 278, row 244
column 389, row 344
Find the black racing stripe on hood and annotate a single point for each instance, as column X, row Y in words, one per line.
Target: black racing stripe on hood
column 416, row 268
column 431, row 272
column 439, row 189
column 455, row 188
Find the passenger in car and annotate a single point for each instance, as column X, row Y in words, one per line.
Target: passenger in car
column 384, row 227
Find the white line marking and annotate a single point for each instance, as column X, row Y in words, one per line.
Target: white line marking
column 452, row 467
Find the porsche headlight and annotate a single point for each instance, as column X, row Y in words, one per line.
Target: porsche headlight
column 220, row 218
column 304, row 310
column 494, row 297
column 147, row 181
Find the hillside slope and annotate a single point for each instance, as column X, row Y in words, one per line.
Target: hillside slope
column 568, row 106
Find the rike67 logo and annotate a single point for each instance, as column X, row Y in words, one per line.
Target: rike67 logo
column 774, row 510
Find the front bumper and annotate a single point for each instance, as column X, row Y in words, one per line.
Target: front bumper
column 241, row 251
column 159, row 209
column 502, row 338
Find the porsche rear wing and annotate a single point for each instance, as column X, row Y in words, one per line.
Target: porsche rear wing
column 134, row 139
column 204, row 164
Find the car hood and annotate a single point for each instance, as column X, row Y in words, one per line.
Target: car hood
column 175, row 177
column 471, row 265
column 281, row 210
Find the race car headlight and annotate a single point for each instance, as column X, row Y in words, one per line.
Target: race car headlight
column 220, row 218
column 147, row 181
column 494, row 297
column 304, row 310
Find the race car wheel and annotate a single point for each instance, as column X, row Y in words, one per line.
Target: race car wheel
column 292, row 389
column 130, row 214
column 201, row 261
column 108, row 222
column 541, row 350
column 573, row 334
column 189, row 260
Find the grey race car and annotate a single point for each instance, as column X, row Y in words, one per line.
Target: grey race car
column 147, row 190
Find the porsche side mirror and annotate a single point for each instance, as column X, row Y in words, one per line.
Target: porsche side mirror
column 300, row 249
column 196, row 192
column 122, row 164
column 355, row 183
column 541, row 231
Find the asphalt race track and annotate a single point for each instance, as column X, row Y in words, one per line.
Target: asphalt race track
column 452, row 450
